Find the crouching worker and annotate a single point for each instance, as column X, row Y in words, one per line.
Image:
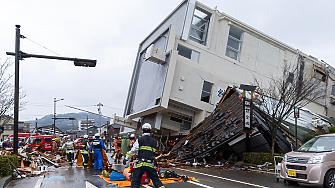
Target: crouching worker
column 145, row 146
column 97, row 146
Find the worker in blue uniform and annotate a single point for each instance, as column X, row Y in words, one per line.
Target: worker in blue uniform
column 97, row 146
column 145, row 146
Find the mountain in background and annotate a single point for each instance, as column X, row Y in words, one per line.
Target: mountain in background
column 66, row 124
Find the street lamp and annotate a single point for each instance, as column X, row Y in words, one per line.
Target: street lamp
column 19, row 55
column 54, row 127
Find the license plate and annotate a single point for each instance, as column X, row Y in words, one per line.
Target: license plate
column 291, row 173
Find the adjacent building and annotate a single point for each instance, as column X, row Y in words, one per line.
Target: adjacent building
column 185, row 64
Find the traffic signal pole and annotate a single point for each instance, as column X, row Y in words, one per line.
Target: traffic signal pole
column 19, row 56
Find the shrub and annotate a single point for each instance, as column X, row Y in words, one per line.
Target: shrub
column 5, row 166
column 331, row 130
column 260, row 158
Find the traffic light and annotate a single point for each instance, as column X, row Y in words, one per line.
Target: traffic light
column 72, row 118
column 2, row 128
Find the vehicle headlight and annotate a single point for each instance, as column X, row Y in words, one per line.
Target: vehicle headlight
column 317, row 159
column 285, row 158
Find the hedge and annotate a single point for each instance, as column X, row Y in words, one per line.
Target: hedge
column 5, row 166
column 260, row 158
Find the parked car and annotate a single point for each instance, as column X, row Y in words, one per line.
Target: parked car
column 313, row 162
column 42, row 141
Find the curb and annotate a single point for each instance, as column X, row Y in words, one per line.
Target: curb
column 4, row 181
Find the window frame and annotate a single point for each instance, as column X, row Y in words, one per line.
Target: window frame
column 239, row 41
column 205, row 31
column 319, row 70
column 208, row 92
column 194, row 56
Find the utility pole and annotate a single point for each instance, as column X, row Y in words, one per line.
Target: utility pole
column 99, row 110
column 87, row 124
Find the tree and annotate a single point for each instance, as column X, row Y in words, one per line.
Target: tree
column 294, row 87
column 7, row 93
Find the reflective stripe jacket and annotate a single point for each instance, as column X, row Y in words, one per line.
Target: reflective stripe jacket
column 145, row 146
column 69, row 146
column 85, row 147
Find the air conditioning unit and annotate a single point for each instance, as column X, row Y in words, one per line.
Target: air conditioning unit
column 155, row 55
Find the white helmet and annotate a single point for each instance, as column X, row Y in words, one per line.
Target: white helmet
column 97, row 135
column 85, row 136
column 146, row 127
column 132, row 135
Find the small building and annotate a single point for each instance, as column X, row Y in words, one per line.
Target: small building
column 8, row 123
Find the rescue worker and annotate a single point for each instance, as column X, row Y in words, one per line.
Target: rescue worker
column 125, row 144
column 117, row 152
column 84, row 150
column 145, row 146
column 69, row 147
column 132, row 140
column 54, row 145
column 97, row 146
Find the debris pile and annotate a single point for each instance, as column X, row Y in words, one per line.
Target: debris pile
column 33, row 162
column 219, row 136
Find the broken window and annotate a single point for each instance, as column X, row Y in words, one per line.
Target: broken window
column 188, row 53
column 319, row 74
column 200, row 24
column 234, row 43
column 206, row 91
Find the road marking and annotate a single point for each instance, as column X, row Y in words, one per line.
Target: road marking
column 89, row 185
column 147, row 186
column 39, row 182
column 199, row 184
column 236, row 181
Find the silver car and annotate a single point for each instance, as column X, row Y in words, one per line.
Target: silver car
column 313, row 162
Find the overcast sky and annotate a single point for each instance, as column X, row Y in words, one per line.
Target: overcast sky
column 110, row 32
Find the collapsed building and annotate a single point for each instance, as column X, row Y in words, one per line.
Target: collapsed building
column 184, row 65
column 219, row 136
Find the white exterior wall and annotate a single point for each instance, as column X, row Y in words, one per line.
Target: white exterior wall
column 260, row 56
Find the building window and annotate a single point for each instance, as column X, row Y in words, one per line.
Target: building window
column 176, row 119
column 200, row 24
column 206, row 91
column 188, row 53
column 234, row 43
column 319, row 74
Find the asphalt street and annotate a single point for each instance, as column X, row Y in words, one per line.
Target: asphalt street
column 78, row 177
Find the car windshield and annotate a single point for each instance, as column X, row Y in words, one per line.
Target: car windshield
column 30, row 140
column 319, row 144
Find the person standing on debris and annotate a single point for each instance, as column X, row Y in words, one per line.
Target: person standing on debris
column 84, row 150
column 69, row 147
column 97, row 146
column 145, row 146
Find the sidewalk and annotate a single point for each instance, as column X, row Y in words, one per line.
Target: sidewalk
column 4, row 181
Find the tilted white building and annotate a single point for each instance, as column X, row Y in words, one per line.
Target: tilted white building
column 186, row 62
